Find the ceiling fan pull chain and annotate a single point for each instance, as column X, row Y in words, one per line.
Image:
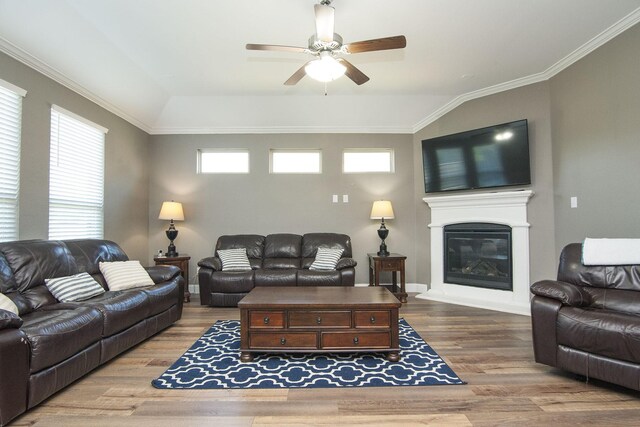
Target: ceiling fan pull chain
column 325, row 88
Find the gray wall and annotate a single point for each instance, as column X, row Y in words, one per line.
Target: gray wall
column 531, row 103
column 264, row 203
column 126, row 164
column 595, row 106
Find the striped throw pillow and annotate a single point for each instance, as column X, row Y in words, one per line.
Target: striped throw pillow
column 234, row 259
column 78, row 287
column 121, row 275
column 326, row 259
column 7, row 304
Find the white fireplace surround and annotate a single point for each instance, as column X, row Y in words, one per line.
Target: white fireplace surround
column 508, row 208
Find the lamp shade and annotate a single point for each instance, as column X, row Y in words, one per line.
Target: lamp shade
column 382, row 209
column 171, row 210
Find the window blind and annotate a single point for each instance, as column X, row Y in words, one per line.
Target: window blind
column 10, row 127
column 76, row 177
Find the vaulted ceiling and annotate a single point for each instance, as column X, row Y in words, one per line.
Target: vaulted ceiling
column 180, row 66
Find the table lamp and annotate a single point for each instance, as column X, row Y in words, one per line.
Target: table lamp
column 173, row 212
column 382, row 209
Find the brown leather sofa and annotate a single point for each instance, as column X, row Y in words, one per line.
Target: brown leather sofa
column 276, row 260
column 588, row 321
column 50, row 344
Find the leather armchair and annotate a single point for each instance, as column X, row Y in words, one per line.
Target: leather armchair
column 588, row 320
column 276, row 260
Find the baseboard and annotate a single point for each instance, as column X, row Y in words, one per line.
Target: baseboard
column 409, row 287
column 512, row 308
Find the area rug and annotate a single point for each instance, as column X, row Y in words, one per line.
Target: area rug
column 213, row 362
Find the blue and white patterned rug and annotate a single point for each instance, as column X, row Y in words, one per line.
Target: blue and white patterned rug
column 214, row 362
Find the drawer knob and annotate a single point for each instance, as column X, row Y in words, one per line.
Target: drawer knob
column 318, row 320
column 266, row 320
column 373, row 319
column 283, row 341
column 356, row 340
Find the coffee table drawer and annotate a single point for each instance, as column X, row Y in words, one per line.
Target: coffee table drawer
column 273, row 340
column 356, row 339
column 319, row 319
column 266, row 319
column 372, row 319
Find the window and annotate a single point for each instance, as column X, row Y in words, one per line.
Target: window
column 223, row 161
column 295, row 161
column 367, row 160
column 10, row 127
column 76, row 177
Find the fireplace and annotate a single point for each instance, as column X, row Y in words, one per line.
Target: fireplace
column 478, row 254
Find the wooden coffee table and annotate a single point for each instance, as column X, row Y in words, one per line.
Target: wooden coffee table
column 319, row 320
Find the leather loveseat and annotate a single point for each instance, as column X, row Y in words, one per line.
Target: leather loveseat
column 276, row 260
column 49, row 344
column 588, row 320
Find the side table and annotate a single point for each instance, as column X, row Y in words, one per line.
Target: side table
column 394, row 263
column 182, row 262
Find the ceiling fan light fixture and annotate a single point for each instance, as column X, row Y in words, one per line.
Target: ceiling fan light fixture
column 325, row 69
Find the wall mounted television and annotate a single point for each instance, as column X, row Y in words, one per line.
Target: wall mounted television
column 495, row 156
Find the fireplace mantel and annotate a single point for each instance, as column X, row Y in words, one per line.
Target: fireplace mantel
column 507, row 208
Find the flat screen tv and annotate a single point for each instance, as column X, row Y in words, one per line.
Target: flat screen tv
column 495, row 156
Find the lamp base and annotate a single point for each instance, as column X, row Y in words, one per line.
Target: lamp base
column 383, row 250
column 171, row 250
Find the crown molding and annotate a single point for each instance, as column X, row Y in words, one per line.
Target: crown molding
column 281, row 129
column 616, row 29
column 42, row 67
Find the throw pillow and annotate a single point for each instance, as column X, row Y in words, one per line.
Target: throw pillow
column 121, row 275
column 78, row 287
column 326, row 259
column 234, row 259
column 7, row 304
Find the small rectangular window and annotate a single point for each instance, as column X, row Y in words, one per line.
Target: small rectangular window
column 295, row 161
column 223, row 161
column 367, row 160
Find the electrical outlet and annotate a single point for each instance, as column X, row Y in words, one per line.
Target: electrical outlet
column 345, row 198
column 574, row 202
column 335, row 198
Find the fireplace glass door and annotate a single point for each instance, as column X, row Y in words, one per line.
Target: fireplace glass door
column 478, row 254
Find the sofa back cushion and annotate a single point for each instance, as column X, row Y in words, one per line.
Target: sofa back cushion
column 89, row 253
column 253, row 243
column 620, row 300
column 572, row 270
column 282, row 251
column 312, row 241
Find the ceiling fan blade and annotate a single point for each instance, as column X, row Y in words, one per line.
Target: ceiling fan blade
column 297, row 76
column 385, row 43
column 324, row 22
column 276, row 47
column 353, row 73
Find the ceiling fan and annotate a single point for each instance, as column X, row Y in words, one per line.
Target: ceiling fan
column 326, row 45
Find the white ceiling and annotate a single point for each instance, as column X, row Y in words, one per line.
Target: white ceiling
column 180, row 66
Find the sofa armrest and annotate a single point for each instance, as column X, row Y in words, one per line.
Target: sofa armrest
column 162, row 273
column 9, row 320
column 566, row 293
column 544, row 317
column 213, row 263
column 14, row 374
column 346, row 263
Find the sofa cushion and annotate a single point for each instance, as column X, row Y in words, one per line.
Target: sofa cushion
column 89, row 253
column 282, row 246
column 318, row 278
column 603, row 332
column 120, row 309
column 7, row 304
column 122, row 275
column 614, row 300
column 162, row 297
column 278, row 277
column 78, row 287
column 312, row 241
column 55, row 334
column 9, row 319
column 281, row 263
column 253, row 243
column 32, row 261
column 234, row 259
column 326, row 259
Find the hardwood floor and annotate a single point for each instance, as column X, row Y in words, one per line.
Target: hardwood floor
column 491, row 351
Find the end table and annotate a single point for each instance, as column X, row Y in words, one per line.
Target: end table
column 182, row 262
column 394, row 263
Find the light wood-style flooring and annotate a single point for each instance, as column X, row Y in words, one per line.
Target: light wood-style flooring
column 491, row 351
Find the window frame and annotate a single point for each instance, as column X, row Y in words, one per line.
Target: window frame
column 392, row 160
column 273, row 151
column 201, row 151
